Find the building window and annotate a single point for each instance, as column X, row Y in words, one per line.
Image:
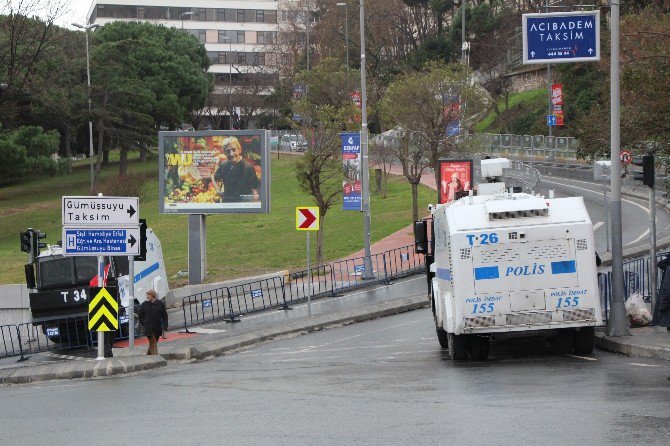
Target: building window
column 240, row 15
column 260, row 16
column 199, row 34
column 258, row 59
column 200, row 14
column 270, row 17
column 266, row 37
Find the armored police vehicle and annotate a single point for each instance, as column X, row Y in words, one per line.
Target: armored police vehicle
column 511, row 264
column 62, row 289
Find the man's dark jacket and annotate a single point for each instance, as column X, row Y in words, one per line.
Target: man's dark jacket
column 153, row 317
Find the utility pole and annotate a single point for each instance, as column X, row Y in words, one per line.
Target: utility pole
column 617, row 323
column 368, row 273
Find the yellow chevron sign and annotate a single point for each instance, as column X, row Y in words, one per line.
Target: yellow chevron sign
column 103, row 311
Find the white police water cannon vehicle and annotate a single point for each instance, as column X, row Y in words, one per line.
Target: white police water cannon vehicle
column 506, row 265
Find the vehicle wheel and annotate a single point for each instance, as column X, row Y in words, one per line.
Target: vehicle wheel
column 442, row 337
column 458, row 347
column 479, row 348
column 563, row 342
column 584, row 341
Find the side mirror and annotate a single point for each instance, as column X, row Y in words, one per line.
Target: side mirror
column 421, row 237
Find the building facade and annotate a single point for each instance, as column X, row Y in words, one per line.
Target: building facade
column 240, row 37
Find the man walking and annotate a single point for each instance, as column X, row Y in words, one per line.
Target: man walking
column 153, row 317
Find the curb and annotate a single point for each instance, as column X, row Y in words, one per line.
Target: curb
column 222, row 347
column 81, row 369
column 624, row 346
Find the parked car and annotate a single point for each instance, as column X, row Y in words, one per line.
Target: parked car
column 274, row 142
column 294, row 143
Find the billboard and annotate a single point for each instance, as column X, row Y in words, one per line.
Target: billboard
column 352, row 190
column 561, row 37
column 209, row 172
column 454, row 178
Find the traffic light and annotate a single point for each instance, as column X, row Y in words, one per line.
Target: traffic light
column 647, row 174
column 26, row 241
column 36, row 244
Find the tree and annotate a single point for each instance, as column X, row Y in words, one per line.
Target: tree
column 325, row 110
column 24, row 40
column 145, row 77
column 424, row 106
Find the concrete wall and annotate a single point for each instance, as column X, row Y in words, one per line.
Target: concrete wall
column 14, row 304
column 529, row 79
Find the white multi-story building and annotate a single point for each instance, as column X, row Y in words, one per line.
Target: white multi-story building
column 240, row 37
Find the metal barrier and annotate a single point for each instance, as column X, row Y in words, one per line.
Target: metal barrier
column 402, row 262
column 316, row 282
column 350, row 273
column 207, row 307
column 61, row 333
column 257, row 296
column 278, row 292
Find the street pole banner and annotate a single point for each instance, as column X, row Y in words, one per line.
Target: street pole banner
column 557, row 102
column 561, row 37
column 351, row 165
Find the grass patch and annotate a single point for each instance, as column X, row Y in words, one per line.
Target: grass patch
column 238, row 245
column 514, row 100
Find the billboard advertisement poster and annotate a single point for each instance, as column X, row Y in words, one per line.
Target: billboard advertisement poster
column 455, row 179
column 208, row 172
column 557, row 102
column 352, row 190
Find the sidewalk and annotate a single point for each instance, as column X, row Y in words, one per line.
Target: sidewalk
column 221, row 338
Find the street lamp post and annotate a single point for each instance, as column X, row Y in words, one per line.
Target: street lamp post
column 367, row 273
column 86, row 29
column 346, row 34
column 185, row 14
column 230, row 82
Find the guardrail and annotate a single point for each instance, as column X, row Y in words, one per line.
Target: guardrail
column 229, row 303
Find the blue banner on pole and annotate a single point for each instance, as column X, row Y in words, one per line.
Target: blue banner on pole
column 351, row 164
column 561, row 37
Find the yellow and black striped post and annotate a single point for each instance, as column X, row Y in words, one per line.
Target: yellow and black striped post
column 103, row 311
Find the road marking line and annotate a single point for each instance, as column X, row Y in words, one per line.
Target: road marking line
column 585, row 358
column 597, row 225
column 637, row 364
column 203, row 330
column 594, row 192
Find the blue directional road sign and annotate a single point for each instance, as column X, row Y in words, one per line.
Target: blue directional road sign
column 101, row 241
column 551, row 119
column 561, row 37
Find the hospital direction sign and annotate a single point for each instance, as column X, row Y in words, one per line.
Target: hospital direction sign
column 561, row 37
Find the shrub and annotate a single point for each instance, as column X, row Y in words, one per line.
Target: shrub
column 13, row 165
column 42, row 165
column 130, row 185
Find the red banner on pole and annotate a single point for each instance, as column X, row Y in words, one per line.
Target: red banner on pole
column 557, row 102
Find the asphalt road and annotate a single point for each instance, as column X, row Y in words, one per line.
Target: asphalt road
column 381, row 382
column 634, row 213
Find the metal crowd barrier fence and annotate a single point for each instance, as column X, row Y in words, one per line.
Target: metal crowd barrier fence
column 257, row 296
column 316, row 282
column 208, row 306
column 278, row 292
column 350, row 273
column 62, row 333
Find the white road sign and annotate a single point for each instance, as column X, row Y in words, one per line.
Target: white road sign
column 100, row 211
column 101, row 241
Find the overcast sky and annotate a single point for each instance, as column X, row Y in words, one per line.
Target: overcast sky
column 76, row 11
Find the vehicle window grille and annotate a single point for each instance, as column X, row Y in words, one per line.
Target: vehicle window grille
column 556, row 250
column 495, row 256
column 581, row 244
column 513, row 236
column 465, row 253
